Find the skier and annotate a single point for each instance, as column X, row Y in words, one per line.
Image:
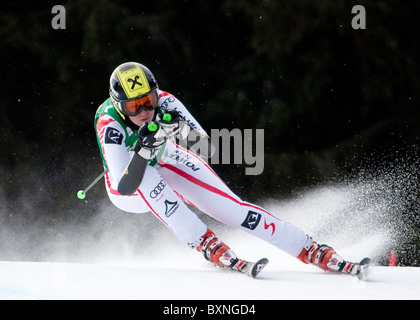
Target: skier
column 137, row 128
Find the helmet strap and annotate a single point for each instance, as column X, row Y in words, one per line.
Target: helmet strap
column 119, row 112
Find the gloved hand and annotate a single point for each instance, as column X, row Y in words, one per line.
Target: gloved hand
column 169, row 116
column 172, row 123
column 151, row 136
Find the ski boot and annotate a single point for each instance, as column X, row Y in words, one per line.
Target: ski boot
column 215, row 251
column 218, row 253
column 327, row 259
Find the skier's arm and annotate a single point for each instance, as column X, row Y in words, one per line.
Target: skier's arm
column 115, row 153
column 169, row 102
column 132, row 175
column 126, row 168
column 149, row 139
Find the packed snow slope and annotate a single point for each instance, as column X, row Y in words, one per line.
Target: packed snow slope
column 160, row 280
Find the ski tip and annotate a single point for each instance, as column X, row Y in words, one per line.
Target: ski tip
column 365, row 261
column 258, row 267
column 363, row 268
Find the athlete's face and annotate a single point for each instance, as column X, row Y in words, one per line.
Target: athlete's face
column 142, row 117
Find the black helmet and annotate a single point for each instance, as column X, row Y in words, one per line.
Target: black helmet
column 133, row 87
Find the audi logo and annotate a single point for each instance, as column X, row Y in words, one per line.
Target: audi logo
column 158, row 189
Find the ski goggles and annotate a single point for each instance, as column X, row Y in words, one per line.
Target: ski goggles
column 133, row 107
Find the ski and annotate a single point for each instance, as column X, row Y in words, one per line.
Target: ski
column 251, row 269
column 362, row 269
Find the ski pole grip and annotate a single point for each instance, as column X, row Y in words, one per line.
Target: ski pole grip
column 167, row 117
column 152, row 126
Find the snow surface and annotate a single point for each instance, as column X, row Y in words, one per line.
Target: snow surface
column 191, row 279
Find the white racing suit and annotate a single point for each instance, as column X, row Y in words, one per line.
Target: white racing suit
column 176, row 176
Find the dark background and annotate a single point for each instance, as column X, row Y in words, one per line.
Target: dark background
column 334, row 102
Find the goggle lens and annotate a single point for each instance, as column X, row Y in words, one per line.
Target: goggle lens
column 134, row 107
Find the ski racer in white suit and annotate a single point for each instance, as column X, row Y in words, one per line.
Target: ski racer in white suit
column 137, row 129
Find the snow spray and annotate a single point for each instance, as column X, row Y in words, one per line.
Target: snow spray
column 372, row 213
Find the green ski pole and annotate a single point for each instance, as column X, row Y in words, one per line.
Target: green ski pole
column 81, row 194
